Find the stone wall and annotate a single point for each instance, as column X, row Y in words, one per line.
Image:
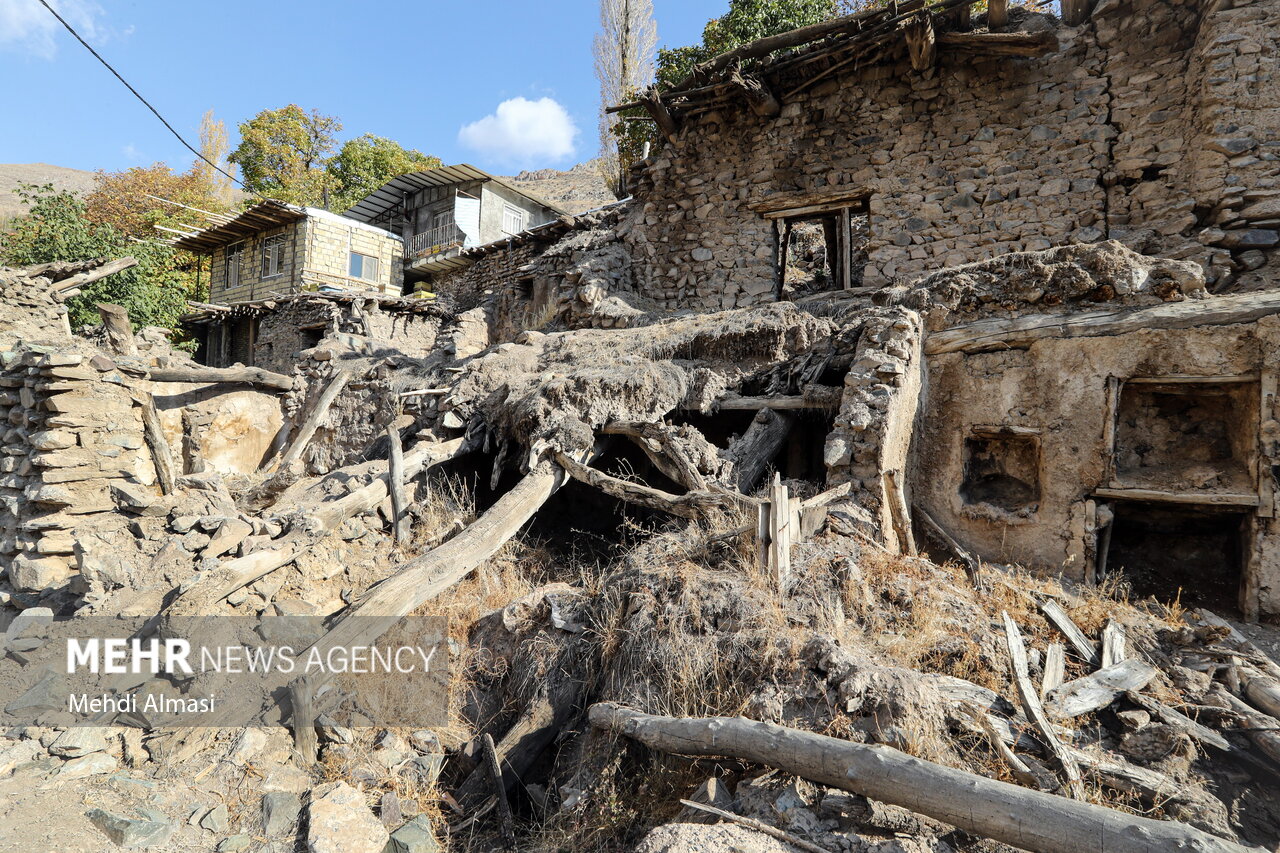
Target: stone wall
column 73, row 449
column 1148, row 125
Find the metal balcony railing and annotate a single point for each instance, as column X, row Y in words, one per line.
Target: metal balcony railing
column 433, row 242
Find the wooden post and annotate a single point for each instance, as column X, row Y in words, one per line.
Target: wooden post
column 1075, row 12
column 658, row 111
column 115, row 320
column 997, row 14
column 153, row 432
column 897, row 500
column 303, row 720
column 1035, row 711
column 784, row 250
column 309, row 426
column 779, row 531
column 922, row 42
column 395, row 465
column 964, row 18
column 846, row 250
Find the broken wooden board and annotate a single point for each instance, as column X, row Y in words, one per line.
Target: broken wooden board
column 1099, row 689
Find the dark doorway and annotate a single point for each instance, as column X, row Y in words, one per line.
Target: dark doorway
column 1194, row 554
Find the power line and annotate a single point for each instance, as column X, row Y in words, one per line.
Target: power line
column 138, row 95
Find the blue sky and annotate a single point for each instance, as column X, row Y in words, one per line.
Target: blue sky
column 417, row 72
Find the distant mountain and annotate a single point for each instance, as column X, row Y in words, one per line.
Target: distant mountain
column 14, row 174
column 578, row 189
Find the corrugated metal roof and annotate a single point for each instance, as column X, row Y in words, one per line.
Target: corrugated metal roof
column 261, row 217
column 393, row 191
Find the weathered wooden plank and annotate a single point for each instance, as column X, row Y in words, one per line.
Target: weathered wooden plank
column 1099, row 689
column 1085, row 647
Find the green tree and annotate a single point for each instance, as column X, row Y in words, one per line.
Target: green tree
column 367, row 162
column 283, row 154
column 57, row 228
column 746, row 21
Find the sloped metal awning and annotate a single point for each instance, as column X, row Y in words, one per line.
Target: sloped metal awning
column 263, row 216
column 392, row 193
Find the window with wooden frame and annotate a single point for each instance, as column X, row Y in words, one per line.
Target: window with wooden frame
column 513, row 219
column 363, row 267
column 235, row 255
column 273, row 256
column 821, row 239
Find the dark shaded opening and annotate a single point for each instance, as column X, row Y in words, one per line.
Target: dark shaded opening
column 1195, row 437
column 1002, row 471
column 1191, row 553
column 814, row 255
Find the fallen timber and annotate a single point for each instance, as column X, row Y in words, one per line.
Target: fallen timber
column 1028, row 819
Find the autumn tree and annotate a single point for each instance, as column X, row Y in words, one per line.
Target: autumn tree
column 127, row 200
column 283, row 154
column 624, row 63
column 214, row 148
column 367, row 162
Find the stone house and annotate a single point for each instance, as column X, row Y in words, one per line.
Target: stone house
column 442, row 212
column 274, row 249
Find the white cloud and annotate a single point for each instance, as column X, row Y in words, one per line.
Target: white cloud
column 521, row 132
column 131, row 153
column 27, row 26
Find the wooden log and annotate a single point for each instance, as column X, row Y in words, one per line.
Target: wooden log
column 1262, row 660
column 1099, row 689
column 922, row 44
column 973, row 567
column 1262, row 691
column 1035, row 712
column 652, row 103
column 119, row 329
column 1180, row 721
column 303, row 719
column 255, row 376
column 898, row 512
column 395, row 484
column 663, row 451
column 688, row 505
column 1022, row 332
column 753, row 451
column 761, row 101
column 89, row 276
column 1027, row 819
column 1016, row 765
column 758, row 826
column 777, row 524
column 1084, row 647
column 553, row 706
column 1026, row 45
column 1263, row 729
column 505, row 824
column 157, row 444
column 307, row 431
column 1054, row 668
column 423, row 578
column 997, row 14
column 821, row 397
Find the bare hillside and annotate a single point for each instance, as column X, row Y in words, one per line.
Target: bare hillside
column 13, row 175
column 578, row 189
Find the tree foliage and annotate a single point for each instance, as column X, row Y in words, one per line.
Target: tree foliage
column 746, row 21
column 283, row 153
column 215, row 148
column 624, row 63
column 367, row 162
column 58, row 228
column 127, row 200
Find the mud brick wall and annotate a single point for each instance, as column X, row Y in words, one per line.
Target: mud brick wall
column 73, row 449
column 1151, row 124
